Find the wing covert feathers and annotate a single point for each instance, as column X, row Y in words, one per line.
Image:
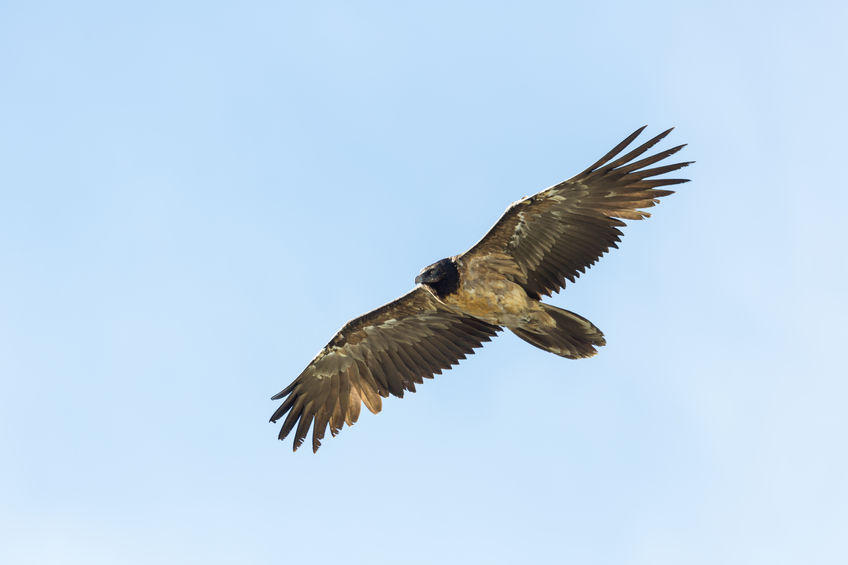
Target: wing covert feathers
column 386, row 351
column 560, row 232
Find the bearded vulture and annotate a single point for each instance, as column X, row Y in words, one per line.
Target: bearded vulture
column 461, row 302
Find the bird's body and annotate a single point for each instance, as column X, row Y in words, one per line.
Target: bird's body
column 462, row 301
column 484, row 293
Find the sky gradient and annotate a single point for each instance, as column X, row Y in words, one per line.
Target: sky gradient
column 195, row 196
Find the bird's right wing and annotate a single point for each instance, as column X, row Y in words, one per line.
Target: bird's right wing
column 385, row 351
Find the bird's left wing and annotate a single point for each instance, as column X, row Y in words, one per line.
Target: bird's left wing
column 557, row 234
column 385, row 351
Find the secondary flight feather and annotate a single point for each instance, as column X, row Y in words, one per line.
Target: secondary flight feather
column 463, row 301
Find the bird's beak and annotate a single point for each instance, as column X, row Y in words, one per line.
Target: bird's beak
column 419, row 279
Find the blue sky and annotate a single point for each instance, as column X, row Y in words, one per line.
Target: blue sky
column 195, row 196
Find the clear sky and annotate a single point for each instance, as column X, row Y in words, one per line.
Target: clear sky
column 195, row 196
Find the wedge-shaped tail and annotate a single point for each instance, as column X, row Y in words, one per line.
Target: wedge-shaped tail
column 574, row 336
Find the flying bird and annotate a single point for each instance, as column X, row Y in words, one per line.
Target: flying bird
column 461, row 302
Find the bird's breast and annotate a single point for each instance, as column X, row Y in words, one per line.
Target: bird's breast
column 490, row 297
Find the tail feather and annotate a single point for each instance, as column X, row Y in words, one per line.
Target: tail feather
column 574, row 336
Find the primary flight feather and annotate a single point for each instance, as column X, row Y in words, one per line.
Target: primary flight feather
column 463, row 301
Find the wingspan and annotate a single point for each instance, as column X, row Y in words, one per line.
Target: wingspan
column 384, row 352
column 558, row 233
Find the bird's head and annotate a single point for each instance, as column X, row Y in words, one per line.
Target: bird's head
column 442, row 276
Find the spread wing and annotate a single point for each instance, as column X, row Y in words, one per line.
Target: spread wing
column 556, row 234
column 384, row 352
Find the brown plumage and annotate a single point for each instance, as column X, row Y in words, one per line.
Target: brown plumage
column 463, row 301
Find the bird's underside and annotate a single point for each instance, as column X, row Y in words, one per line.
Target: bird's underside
column 463, row 301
